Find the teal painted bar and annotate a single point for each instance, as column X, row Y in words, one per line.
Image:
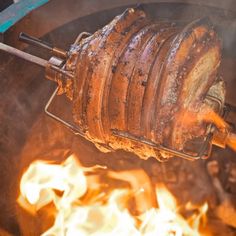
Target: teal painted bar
column 16, row 11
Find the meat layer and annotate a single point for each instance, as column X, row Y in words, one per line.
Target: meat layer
column 137, row 78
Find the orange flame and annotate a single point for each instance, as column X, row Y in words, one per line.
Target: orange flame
column 206, row 114
column 210, row 116
column 231, row 141
column 79, row 213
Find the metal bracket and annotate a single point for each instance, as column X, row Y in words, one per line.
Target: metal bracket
column 203, row 151
column 76, row 130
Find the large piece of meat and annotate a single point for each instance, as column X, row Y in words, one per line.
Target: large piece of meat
column 140, row 78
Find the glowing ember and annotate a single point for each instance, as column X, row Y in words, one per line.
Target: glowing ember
column 82, row 207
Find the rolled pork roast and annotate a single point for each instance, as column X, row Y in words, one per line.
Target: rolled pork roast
column 139, row 78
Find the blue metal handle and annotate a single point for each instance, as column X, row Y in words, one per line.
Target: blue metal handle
column 17, row 11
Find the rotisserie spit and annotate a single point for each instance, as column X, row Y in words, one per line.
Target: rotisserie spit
column 136, row 83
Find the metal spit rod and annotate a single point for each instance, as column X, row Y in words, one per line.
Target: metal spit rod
column 42, row 44
column 26, row 56
column 33, row 59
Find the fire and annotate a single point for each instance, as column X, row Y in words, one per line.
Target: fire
column 208, row 115
column 83, row 207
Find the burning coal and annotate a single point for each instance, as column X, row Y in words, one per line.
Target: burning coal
column 81, row 205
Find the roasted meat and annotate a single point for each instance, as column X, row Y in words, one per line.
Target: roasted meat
column 139, row 78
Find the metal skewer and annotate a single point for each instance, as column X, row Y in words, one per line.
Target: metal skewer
column 26, row 56
column 33, row 59
column 41, row 44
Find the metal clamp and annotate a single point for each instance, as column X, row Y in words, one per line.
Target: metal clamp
column 75, row 129
column 203, row 151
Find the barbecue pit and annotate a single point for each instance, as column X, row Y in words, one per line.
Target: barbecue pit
column 43, row 89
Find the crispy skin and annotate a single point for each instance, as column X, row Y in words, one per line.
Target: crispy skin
column 134, row 29
column 81, row 71
column 119, row 103
column 140, row 77
column 189, row 71
column 149, row 99
column 100, row 66
column 199, row 78
column 173, row 75
column 97, row 52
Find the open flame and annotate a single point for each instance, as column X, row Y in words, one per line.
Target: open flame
column 83, row 207
column 208, row 115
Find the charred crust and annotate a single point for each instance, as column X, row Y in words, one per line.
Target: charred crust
column 112, row 82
